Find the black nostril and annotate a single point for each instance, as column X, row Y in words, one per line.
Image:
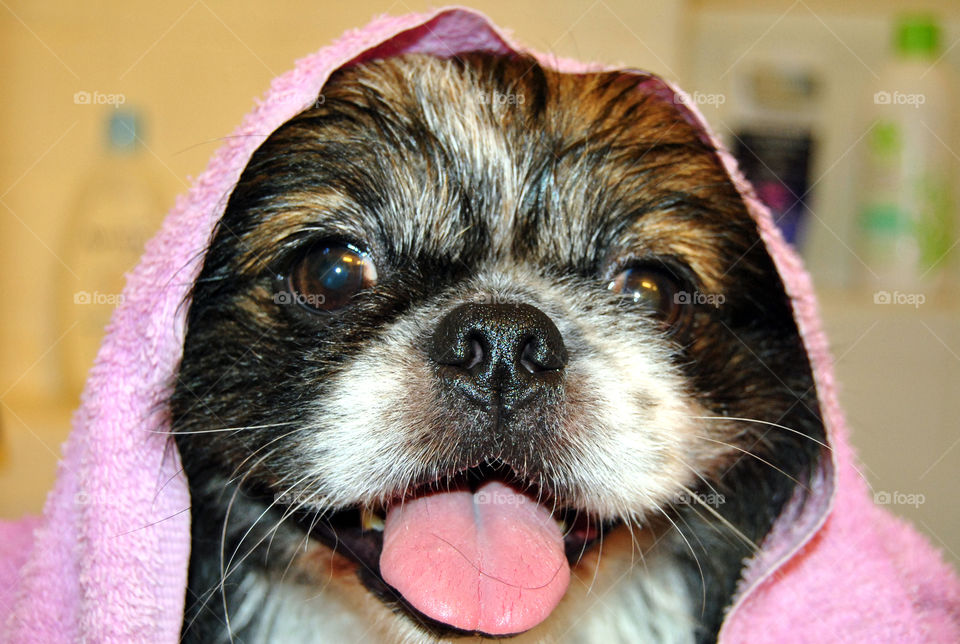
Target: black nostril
column 528, row 358
column 498, row 352
column 476, row 354
column 534, row 360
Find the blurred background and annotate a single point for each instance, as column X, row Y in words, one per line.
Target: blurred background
column 840, row 112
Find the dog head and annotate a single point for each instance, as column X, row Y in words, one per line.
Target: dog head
column 469, row 281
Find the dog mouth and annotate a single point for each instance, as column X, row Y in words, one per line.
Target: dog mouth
column 482, row 551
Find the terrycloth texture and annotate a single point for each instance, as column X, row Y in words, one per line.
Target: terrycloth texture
column 107, row 561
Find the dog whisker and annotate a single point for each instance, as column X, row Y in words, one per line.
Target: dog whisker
column 696, row 559
column 596, row 567
column 723, row 521
column 699, row 476
column 703, row 587
column 768, row 424
column 230, row 567
column 240, row 465
column 223, row 429
column 225, row 568
column 294, row 552
column 759, row 458
column 208, row 594
column 292, row 509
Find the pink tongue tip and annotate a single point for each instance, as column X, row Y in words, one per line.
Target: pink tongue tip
column 491, row 561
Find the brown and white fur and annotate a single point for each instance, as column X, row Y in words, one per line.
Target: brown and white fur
column 677, row 433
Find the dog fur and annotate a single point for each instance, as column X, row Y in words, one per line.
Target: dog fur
column 487, row 179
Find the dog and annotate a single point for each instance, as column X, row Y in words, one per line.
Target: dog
column 479, row 349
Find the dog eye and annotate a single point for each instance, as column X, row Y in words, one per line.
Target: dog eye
column 329, row 275
column 652, row 288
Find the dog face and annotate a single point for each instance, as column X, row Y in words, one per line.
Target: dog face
column 460, row 280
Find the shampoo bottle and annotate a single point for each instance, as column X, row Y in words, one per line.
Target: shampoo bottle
column 906, row 222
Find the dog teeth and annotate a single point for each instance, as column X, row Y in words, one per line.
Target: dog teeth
column 371, row 520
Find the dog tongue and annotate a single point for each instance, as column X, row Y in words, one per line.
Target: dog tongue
column 491, row 561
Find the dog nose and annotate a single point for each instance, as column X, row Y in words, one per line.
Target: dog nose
column 498, row 354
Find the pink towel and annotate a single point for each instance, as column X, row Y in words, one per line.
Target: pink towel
column 107, row 561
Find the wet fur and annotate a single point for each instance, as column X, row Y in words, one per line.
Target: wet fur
column 540, row 196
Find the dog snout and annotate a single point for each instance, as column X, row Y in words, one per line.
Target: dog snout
column 498, row 354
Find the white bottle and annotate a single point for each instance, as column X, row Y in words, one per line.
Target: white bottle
column 906, row 222
column 119, row 207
